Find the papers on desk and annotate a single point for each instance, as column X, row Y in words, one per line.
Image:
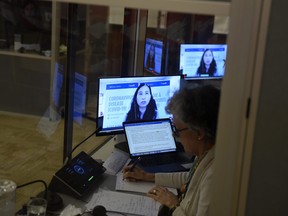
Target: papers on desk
column 141, row 187
column 124, row 203
column 115, row 162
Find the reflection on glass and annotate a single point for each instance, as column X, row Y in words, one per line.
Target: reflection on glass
column 109, row 41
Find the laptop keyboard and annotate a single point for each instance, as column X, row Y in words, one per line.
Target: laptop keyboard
column 160, row 160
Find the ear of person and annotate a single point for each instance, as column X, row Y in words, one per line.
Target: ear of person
column 200, row 134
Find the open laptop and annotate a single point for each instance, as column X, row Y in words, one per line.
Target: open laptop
column 153, row 141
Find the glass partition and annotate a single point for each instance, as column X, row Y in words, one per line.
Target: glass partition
column 50, row 67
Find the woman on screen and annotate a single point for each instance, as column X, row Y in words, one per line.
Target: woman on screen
column 150, row 61
column 207, row 65
column 143, row 106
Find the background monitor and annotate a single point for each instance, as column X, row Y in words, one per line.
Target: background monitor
column 115, row 99
column 153, row 55
column 202, row 61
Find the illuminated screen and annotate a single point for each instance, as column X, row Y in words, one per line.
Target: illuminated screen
column 202, row 61
column 123, row 99
column 153, row 55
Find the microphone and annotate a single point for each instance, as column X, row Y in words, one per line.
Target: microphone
column 68, row 158
column 54, row 201
column 100, row 210
column 36, row 181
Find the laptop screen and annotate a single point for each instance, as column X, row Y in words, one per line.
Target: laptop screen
column 149, row 137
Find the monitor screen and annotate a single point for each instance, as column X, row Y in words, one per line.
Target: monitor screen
column 123, row 99
column 202, row 61
column 153, row 55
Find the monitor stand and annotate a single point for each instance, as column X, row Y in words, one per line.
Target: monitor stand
column 122, row 143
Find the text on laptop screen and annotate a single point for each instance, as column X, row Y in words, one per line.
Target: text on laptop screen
column 149, row 138
column 131, row 99
column 202, row 61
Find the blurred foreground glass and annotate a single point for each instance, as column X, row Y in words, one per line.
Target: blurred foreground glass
column 7, row 197
column 36, row 207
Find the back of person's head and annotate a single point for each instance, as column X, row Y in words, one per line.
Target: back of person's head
column 197, row 107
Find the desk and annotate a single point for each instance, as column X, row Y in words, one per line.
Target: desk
column 113, row 200
column 107, row 182
column 124, row 201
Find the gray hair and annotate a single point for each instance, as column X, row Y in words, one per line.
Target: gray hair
column 197, row 107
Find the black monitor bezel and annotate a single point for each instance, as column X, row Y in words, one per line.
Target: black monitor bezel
column 159, row 40
column 186, row 77
column 119, row 130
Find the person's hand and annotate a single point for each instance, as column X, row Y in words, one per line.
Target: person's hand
column 164, row 196
column 137, row 174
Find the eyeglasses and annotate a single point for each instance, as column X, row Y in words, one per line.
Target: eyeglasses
column 176, row 132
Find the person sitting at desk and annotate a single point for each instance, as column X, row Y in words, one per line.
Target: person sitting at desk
column 195, row 113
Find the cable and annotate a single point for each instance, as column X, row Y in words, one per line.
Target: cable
column 121, row 213
column 36, row 181
column 70, row 155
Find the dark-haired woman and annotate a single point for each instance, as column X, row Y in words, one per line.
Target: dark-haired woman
column 143, row 106
column 150, row 61
column 207, row 65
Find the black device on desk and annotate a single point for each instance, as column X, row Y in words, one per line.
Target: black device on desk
column 78, row 176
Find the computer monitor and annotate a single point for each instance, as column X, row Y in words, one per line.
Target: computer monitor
column 121, row 98
column 153, row 55
column 202, row 61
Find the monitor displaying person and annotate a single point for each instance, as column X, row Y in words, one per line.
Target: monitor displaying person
column 202, row 61
column 123, row 99
column 153, row 55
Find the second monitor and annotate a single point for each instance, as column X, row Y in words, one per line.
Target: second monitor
column 202, row 61
column 123, row 99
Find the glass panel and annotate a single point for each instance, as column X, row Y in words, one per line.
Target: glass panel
column 116, row 42
column 96, row 50
column 31, row 141
column 49, row 60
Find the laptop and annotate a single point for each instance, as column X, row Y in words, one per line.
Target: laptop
column 154, row 143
